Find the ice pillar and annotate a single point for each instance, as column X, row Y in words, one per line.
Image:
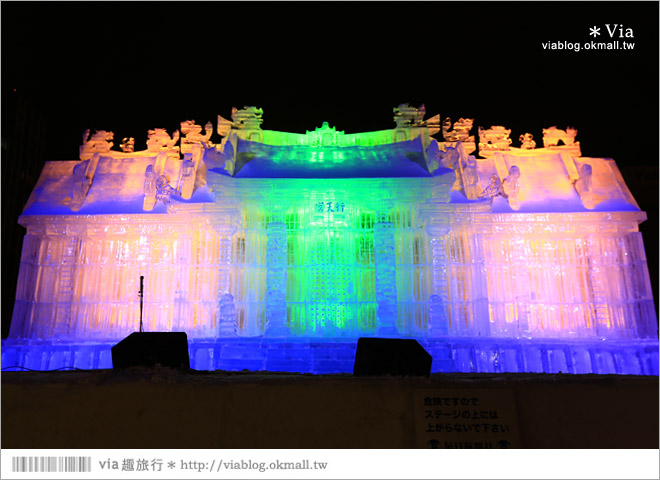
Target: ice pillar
column 224, row 260
column 276, row 280
column 438, row 302
column 522, row 281
column 62, row 327
column 599, row 297
column 227, row 316
column 225, row 233
column 385, row 277
column 479, row 287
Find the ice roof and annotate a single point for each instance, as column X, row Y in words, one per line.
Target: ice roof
column 118, row 187
column 545, row 185
column 394, row 160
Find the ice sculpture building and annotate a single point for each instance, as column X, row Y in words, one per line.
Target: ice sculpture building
column 276, row 251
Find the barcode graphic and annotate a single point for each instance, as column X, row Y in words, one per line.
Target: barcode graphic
column 51, row 464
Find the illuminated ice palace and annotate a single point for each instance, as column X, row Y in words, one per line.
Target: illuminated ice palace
column 277, row 251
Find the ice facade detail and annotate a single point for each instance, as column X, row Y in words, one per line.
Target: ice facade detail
column 468, row 274
column 438, row 301
column 385, row 268
column 275, row 273
column 276, row 261
column 227, row 316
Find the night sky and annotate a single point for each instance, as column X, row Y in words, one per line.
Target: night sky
column 129, row 67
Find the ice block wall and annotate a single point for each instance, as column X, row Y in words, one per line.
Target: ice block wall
column 568, row 276
column 580, row 275
column 92, row 269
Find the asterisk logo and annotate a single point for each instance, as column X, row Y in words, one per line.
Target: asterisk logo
column 594, row 31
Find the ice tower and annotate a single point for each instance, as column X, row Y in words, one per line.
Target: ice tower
column 276, row 251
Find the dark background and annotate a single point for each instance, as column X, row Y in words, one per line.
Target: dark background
column 128, row 67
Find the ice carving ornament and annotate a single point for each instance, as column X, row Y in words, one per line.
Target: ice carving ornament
column 461, row 131
column 193, row 135
column 449, row 158
column 527, row 141
column 99, row 142
column 164, row 191
column 510, row 187
column 583, row 186
column 159, row 140
column 495, row 138
column 406, row 116
column 187, row 179
column 493, row 189
column 128, row 145
column 325, row 136
column 248, row 118
column 552, row 136
column 471, row 179
column 81, row 185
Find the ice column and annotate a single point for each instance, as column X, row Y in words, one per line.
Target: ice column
column 62, row 326
column 227, row 316
column 439, row 301
column 276, row 280
column 385, row 276
column 522, row 282
column 598, row 286
column 479, row 286
column 225, row 233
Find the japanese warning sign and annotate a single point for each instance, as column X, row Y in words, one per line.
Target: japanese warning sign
column 466, row 418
